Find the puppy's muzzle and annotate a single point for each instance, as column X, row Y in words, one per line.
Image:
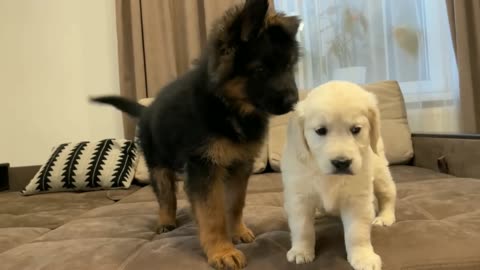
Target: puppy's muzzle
column 342, row 165
column 290, row 100
column 283, row 102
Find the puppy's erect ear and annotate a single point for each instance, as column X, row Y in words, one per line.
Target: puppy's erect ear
column 253, row 18
column 291, row 24
column 296, row 134
column 288, row 24
column 374, row 121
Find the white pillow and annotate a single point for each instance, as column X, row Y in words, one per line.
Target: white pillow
column 84, row 166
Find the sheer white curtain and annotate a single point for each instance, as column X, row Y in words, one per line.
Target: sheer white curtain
column 370, row 40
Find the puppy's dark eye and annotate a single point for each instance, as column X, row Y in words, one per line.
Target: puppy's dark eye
column 355, row 130
column 321, row 131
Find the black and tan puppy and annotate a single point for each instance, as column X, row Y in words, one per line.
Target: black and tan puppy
column 213, row 119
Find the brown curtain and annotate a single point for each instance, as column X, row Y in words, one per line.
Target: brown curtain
column 158, row 40
column 464, row 16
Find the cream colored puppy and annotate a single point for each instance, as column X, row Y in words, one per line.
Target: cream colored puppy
column 334, row 162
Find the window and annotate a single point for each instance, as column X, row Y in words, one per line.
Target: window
column 371, row 40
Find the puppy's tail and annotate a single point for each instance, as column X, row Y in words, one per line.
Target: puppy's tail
column 130, row 107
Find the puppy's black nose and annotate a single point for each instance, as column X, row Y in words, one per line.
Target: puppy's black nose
column 290, row 100
column 341, row 164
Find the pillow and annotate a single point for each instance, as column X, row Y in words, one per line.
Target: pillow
column 394, row 126
column 395, row 130
column 85, row 166
column 261, row 161
column 141, row 172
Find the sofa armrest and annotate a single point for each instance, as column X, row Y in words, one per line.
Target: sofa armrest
column 19, row 177
column 455, row 154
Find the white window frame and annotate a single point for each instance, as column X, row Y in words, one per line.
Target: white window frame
column 437, row 87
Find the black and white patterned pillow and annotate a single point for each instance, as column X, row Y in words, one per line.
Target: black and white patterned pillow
column 84, row 166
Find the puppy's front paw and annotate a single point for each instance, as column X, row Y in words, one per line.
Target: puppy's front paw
column 243, row 235
column 367, row 260
column 300, row 256
column 384, row 220
column 231, row 259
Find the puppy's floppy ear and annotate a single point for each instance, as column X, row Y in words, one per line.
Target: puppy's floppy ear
column 253, row 18
column 296, row 133
column 374, row 121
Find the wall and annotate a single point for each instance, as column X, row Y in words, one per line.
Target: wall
column 53, row 55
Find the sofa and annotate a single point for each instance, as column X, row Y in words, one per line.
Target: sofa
column 438, row 213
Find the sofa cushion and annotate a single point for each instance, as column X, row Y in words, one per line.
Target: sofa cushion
column 86, row 166
column 12, row 237
column 54, row 209
column 394, row 126
column 261, row 161
column 438, row 227
column 141, row 173
column 23, row 219
column 395, row 130
column 76, row 254
column 404, row 173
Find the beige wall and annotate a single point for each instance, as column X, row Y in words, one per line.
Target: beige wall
column 53, row 55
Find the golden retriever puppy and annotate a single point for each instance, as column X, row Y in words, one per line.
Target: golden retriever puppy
column 334, row 162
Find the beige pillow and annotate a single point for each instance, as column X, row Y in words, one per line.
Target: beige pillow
column 262, row 160
column 141, row 172
column 142, row 175
column 395, row 131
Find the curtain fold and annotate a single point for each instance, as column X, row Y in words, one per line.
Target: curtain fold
column 131, row 58
column 158, row 41
column 464, row 18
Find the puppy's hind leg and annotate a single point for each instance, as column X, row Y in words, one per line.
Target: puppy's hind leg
column 164, row 186
column 386, row 194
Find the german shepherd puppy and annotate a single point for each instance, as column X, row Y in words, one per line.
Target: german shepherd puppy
column 212, row 121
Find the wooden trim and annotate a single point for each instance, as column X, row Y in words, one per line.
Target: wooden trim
column 447, row 136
